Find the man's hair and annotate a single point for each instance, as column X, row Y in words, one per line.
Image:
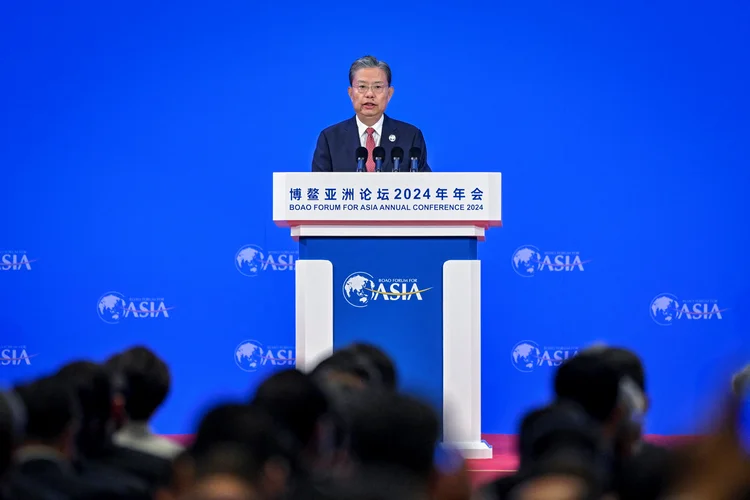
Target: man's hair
column 380, row 360
column 559, row 428
column 369, row 62
column 393, row 430
column 626, row 363
column 147, row 381
column 227, row 459
column 294, row 401
column 741, row 381
column 590, row 382
column 50, row 408
column 350, row 362
column 246, row 426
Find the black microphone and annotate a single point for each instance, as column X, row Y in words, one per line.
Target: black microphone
column 397, row 154
column 361, row 159
column 379, row 155
column 414, row 154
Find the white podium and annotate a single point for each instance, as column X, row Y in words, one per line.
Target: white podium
column 392, row 260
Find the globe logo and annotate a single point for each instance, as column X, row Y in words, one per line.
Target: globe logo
column 359, row 289
column 248, row 355
column 111, row 307
column 524, row 355
column 249, row 260
column 664, row 309
column 525, row 260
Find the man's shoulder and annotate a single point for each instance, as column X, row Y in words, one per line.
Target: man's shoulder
column 342, row 125
column 401, row 125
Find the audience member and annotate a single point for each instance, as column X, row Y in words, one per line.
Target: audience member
column 270, row 456
column 46, row 456
column 644, row 472
column 299, row 406
column 129, row 469
column 394, row 435
column 344, row 432
column 147, row 382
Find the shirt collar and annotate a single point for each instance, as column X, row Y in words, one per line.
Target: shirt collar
column 136, row 428
column 378, row 126
column 39, row 452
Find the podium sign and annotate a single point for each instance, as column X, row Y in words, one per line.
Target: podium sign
column 392, row 260
column 387, row 198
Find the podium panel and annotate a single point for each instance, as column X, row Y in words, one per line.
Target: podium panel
column 389, row 292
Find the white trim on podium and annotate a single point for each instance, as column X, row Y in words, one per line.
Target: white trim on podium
column 314, row 312
column 462, row 353
column 305, row 231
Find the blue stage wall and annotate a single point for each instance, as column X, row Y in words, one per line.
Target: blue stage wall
column 138, row 144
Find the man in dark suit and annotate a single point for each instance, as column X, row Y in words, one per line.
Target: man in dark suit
column 370, row 92
column 46, row 456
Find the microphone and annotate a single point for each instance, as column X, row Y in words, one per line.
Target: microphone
column 397, row 154
column 379, row 155
column 361, row 159
column 414, row 154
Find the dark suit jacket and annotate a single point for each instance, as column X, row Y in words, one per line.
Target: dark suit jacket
column 16, row 487
column 151, row 469
column 62, row 479
column 337, row 146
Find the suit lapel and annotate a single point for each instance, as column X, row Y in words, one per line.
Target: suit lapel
column 352, row 142
column 389, row 129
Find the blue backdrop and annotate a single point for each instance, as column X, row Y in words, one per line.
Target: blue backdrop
column 138, row 144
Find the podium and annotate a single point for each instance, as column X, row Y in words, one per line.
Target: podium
column 392, row 260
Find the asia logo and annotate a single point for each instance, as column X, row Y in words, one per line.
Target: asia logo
column 360, row 289
column 15, row 355
column 528, row 261
column 15, row 260
column 527, row 355
column 251, row 260
column 666, row 309
column 251, row 355
column 114, row 307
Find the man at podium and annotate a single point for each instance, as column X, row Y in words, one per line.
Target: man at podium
column 370, row 141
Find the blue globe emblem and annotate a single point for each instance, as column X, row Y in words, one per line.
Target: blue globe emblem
column 249, row 260
column 249, row 355
column 358, row 289
column 664, row 309
column 111, row 307
column 525, row 356
column 526, row 261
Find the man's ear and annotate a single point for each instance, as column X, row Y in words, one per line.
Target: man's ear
column 350, row 91
column 118, row 410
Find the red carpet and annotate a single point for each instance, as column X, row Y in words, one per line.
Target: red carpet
column 504, row 460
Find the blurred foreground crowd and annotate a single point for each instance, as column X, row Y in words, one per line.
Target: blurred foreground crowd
column 344, row 431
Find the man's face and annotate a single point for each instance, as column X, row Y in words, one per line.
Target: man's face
column 370, row 94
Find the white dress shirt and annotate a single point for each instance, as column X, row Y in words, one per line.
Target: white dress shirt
column 138, row 436
column 375, row 135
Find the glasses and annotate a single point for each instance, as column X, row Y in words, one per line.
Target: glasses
column 378, row 88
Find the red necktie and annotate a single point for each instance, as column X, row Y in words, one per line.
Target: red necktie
column 370, row 145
